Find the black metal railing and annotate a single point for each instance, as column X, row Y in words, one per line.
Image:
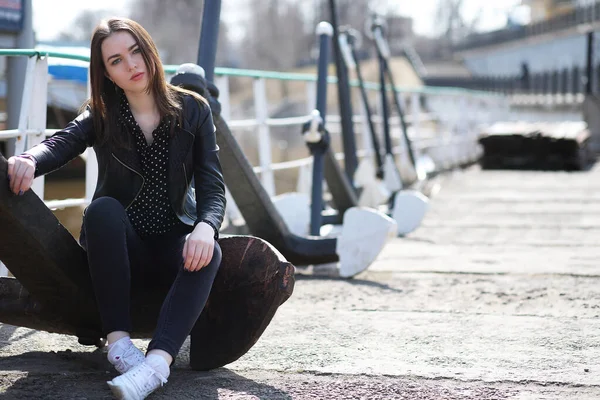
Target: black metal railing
column 578, row 16
column 572, row 80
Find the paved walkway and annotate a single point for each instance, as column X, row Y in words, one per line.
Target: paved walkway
column 496, row 296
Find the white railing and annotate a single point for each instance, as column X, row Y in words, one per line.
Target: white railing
column 451, row 138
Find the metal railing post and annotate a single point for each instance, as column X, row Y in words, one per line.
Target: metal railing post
column 91, row 174
column 222, row 83
column 207, row 45
column 315, row 134
column 21, row 142
column 261, row 106
column 36, row 118
column 311, row 96
column 91, row 164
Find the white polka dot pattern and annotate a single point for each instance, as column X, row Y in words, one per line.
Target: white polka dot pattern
column 151, row 213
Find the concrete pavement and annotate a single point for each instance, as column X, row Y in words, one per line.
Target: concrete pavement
column 496, row 296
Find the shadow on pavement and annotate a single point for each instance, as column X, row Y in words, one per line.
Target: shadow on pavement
column 83, row 375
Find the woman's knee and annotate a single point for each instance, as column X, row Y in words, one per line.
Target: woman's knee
column 103, row 209
column 215, row 261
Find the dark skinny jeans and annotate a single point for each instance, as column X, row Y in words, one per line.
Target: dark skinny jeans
column 120, row 259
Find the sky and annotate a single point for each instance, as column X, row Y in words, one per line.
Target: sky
column 46, row 12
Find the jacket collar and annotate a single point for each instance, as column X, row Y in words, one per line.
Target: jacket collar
column 179, row 144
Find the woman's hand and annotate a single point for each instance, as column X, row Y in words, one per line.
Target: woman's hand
column 198, row 248
column 21, row 172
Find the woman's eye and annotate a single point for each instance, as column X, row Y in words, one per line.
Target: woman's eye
column 115, row 61
column 136, row 50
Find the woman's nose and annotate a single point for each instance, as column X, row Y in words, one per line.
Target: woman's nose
column 131, row 65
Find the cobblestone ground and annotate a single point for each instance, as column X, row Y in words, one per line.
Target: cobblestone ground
column 495, row 296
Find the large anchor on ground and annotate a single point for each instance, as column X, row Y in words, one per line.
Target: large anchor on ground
column 51, row 289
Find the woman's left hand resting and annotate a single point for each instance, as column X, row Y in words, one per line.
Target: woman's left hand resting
column 20, row 173
column 198, row 248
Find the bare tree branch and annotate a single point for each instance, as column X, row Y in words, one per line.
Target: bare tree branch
column 175, row 27
column 82, row 27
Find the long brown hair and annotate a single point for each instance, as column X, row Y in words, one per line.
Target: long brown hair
column 105, row 95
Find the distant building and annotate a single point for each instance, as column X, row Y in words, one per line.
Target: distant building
column 545, row 9
column 553, row 42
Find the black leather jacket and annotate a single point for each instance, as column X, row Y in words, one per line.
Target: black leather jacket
column 193, row 153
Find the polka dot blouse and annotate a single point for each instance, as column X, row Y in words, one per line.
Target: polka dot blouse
column 150, row 213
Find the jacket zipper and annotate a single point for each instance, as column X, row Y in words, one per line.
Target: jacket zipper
column 141, row 176
column 185, row 194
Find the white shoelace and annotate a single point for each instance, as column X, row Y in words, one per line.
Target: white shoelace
column 145, row 379
column 128, row 359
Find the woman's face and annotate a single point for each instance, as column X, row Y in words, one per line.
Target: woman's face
column 124, row 63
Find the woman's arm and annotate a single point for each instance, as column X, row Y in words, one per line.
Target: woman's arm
column 210, row 195
column 51, row 154
column 63, row 146
column 208, row 175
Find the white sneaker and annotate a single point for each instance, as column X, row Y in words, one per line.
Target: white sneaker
column 124, row 355
column 137, row 383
